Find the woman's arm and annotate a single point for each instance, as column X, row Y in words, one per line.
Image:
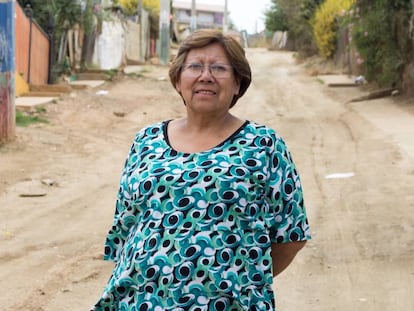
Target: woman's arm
column 283, row 254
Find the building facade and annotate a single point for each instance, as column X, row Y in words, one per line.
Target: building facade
column 206, row 16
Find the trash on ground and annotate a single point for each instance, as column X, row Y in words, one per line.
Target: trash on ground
column 340, row 175
column 102, row 92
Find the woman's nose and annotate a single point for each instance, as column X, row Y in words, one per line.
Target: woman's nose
column 206, row 74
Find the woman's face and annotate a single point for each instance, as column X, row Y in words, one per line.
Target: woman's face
column 207, row 82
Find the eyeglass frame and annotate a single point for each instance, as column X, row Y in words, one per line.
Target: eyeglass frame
column 192, row 71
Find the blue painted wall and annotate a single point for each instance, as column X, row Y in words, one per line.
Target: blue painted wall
column 6, row 36
column 7, row 68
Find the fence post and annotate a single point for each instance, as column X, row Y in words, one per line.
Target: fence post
column 7, row 68
column 29, row 13
column 50, row 31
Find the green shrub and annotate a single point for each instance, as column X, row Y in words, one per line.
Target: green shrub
column 25, row 119
column 380, row 34
column 294, row 16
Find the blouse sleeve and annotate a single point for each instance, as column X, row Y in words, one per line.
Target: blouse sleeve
column 124, row 216
column 289, row 221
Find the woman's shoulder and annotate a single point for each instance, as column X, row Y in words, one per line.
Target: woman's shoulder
column 258, row 129
column 267, row 136
column 151, row 129
column 149, row 134
column 154, row 126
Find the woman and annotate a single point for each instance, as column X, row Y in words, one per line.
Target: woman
column 210, row 206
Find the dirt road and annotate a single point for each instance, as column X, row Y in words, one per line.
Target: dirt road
column 58, row 183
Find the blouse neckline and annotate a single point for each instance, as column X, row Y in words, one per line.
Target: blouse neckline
column 230, row 137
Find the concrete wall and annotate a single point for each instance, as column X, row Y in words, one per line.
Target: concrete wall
column 132, row 44
column 121, row 41
column 109, row 45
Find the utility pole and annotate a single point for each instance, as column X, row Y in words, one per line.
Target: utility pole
column 7, row 71
column 165, row 31
column 193, row 19
column 225, row 17
column 139, row 11
column 29, row 13
column 141, row 55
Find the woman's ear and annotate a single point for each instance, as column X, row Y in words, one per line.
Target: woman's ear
column 237, row 87
column 178, row 86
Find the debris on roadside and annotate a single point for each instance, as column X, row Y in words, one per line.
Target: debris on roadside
column 360, row 80
column 34, row 187
column 376, row 94
column 102, row 92
column 119, row 114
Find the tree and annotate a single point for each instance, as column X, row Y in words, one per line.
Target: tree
column 381, row 34
column 294, row 16
column 326, row 25
column 276, row 19
column 130, row 7
column 59, row 16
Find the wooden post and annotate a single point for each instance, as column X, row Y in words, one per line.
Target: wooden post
column 7, row 68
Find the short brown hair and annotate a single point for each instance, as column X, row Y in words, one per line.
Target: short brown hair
column 235, row 53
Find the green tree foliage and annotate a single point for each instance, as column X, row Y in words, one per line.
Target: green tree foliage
column 308, row 8
column 276, row 19
column 382, row 32
column 151, row 6
column 57, row 17
column 131, row 6
column 381, row 36
column 61, row 14
column 294, row 16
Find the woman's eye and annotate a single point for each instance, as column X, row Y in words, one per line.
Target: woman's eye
column 195, row 66
column 218, row 68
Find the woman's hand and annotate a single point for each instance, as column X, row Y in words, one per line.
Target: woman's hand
column 283, row 254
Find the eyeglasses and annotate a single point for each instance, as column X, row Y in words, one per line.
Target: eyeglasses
column 219, row 71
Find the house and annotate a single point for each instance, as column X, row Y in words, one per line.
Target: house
column 207, row 16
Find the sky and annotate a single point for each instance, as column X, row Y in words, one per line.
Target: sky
column 245, row 14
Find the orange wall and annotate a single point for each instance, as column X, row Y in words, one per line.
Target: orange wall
column 39, row 59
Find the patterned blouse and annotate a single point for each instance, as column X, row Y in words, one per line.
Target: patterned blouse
column 193, row 231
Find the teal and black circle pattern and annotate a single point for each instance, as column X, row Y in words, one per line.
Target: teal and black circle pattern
column 193, row 231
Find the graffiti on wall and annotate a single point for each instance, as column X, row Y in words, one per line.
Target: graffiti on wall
column 6, row 51
column 7, row 66
column 6, row 36
column 3, row 49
